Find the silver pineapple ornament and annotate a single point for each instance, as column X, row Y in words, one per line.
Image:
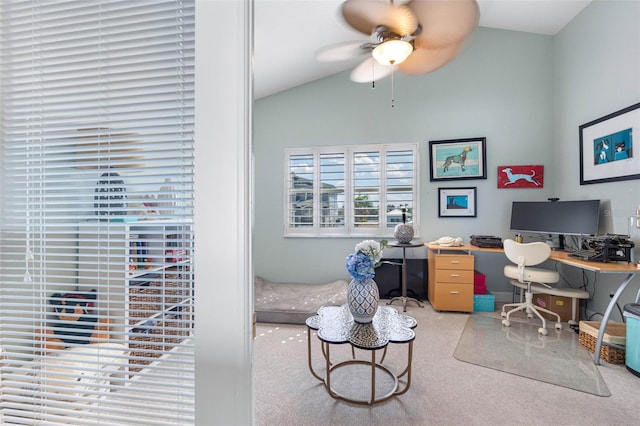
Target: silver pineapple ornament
column 403, row 232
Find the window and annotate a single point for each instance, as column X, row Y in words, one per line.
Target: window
column 96, row 303
column 350, row 191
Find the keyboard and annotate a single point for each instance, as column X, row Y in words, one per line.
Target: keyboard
column 586, row 254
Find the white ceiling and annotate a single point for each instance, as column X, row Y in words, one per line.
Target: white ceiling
column 287, row 34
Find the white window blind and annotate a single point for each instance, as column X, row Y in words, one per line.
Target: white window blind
column 350, row 190
column 96, row 296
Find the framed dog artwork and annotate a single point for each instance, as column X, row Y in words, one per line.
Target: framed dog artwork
column 520, row 176
column 606, row 147
column 457, row 159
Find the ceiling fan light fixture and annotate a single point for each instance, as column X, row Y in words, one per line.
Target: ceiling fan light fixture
column 392, row 52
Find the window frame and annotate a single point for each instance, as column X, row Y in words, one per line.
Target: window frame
column 349, row 229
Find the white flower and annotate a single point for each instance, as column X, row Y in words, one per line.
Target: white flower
column 371, row 248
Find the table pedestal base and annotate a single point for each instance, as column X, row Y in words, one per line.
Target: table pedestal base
column 375, row 365
column 403, row 281
column 404, row 300
column 334, row 325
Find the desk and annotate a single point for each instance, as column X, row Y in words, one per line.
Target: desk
column 627, row 269
column 606, row 268
column 451, row 277
column 403, row 294
column 335, row 325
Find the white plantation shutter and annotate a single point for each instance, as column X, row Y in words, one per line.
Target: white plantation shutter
column 332, row 166
column 97, row 198
column 366, row 188
column 350, row 190
column 400, row 186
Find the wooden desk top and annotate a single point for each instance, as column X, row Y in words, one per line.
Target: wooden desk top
column 558, row 256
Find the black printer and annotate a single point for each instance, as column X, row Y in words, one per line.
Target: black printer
column 486, row 241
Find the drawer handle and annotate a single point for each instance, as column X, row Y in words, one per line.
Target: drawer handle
column 454, row 292
column 455, row 275
column 455, row 262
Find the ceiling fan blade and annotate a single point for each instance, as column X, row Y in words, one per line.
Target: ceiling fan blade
column 343, row 51
column 423, row 60
column 366, row 15
column 444, row 22
column 369, row 70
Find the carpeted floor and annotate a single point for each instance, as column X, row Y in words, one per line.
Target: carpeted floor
column 444, row 390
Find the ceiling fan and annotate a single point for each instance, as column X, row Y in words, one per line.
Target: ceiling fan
column 414, row 37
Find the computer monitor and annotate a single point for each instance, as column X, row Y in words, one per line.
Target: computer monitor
column 556, row 217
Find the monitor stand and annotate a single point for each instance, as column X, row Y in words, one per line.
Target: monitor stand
column 561, row 242
column 559, row 246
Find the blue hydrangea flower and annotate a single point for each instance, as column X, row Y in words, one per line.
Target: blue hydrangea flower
column 360, row 266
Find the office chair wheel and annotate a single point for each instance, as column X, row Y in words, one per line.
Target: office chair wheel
column 558, row 326
column 529, row 315
column 503, row 314
column 506, row 322
column 542, row 331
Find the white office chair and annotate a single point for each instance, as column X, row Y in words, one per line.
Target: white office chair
column 525, row 256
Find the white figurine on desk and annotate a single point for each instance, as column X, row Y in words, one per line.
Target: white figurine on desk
column 448, row 242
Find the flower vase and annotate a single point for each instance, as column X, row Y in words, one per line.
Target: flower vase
column 362, row 299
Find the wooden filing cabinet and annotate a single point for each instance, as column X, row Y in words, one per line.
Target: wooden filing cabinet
column 450, row 284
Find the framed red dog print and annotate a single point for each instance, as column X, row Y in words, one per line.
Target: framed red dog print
column 520, row 176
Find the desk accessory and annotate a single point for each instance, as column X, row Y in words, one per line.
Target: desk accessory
column 448, row 242
column 609, row 248
column 486, row 241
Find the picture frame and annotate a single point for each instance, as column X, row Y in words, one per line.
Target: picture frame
column 457, row 202
column 458, row 159
column 606, row 147
column 521, row 176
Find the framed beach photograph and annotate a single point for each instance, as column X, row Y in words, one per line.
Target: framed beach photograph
column 457, row 202
column 456, row 159
column 606, row 147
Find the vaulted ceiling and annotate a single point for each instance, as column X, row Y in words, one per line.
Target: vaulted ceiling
column 288, row 33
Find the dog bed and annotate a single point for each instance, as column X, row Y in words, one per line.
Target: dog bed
column 293, row 303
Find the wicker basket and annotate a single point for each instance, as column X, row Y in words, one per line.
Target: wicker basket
column 615, row 333
column 144, row 301
column 175, row 290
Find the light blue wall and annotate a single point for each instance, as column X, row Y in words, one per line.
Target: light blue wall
column 596, row 71
column 499, row 88
column 527, row 94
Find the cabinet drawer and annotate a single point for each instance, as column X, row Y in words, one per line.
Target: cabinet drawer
column 461, row 261
column 454, row 276
column 454, row 297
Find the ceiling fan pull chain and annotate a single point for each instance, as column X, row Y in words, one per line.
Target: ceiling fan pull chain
column 373, row 75
column 392, row 94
